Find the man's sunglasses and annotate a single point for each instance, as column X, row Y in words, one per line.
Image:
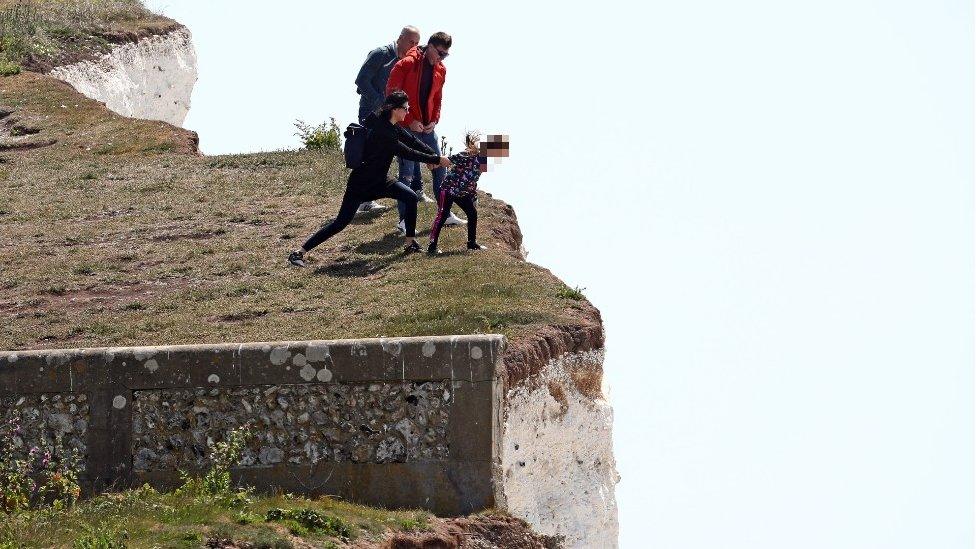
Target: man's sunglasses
column 442, row 54
column 404, row 107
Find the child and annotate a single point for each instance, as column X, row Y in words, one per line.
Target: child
column 460, row 186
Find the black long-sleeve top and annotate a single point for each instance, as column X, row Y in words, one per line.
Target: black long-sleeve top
column 385, row 141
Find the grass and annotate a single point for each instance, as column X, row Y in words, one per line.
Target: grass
column 116, row 235
column 146, row 518
column 40, row 34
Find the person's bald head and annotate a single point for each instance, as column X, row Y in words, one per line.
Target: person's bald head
column 409, row 37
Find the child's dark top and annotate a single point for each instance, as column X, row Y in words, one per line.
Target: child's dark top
column 462, row 181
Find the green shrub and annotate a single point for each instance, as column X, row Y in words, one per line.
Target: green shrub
column 215, row 485
column 325, row 136
column 309, row 520
column 246, row 517
column 576, row 294
column 295, row 528
column 8, row 68
column 100, row 539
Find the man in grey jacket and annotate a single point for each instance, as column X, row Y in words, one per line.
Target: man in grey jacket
column 372, row 77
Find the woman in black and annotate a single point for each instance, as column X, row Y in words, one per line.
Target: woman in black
column 369, row 181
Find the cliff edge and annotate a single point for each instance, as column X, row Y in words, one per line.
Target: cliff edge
column 148, row 243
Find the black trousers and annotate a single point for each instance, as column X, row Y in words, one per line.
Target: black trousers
column 444, row 203
column 350, row 203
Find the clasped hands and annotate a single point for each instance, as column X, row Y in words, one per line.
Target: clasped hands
column 445, row 162
column 419, row 127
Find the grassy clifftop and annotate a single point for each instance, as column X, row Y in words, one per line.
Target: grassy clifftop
column 41, row 34
column 115, row 232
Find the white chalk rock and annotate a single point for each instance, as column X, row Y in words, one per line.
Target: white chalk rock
column 151, row 79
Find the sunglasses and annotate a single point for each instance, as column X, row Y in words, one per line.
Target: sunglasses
column 405, row 107
column 442, row 54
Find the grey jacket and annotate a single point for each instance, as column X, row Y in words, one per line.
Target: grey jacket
column 372, row 77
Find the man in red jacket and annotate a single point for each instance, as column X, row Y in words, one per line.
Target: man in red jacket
column 421, row 74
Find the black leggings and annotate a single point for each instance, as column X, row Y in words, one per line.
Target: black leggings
column 351, row 202
column 444, row 203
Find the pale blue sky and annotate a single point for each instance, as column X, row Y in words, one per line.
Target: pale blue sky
column 771, row 203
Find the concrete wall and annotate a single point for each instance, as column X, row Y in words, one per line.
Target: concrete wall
column 407, row 422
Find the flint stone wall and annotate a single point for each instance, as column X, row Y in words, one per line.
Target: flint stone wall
column 406, row 422
column 48, row 422
column 301, row 424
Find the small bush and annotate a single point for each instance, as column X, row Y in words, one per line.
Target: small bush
column 100, row 539
column 246, row 517
column 576, row 294
column 310, row 520
column 215, row 485
column 294, row 527
column 8, row 69
column 325, row 136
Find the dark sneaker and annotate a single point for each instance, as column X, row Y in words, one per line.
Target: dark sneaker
column 297, row 258
column 432, row 249
column 476, row 246
column 412, row 248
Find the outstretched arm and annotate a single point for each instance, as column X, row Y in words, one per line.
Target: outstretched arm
column 406, row 152
column 412, row 141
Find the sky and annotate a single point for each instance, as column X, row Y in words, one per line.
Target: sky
column 770, row 202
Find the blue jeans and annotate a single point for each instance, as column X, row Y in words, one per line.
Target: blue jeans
column 410, row 170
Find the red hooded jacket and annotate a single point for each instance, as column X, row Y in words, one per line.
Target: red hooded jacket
column 406, row 76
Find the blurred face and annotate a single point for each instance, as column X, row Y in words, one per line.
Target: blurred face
column 491, row 149
column 405, row 42
column 494, row 149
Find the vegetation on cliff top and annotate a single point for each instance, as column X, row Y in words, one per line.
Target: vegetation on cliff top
column 147, row 518
column 41, row 34
column 116, row 233
column 210, row 511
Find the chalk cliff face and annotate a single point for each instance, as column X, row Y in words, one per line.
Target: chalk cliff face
column 557, row 456
column 151, row 78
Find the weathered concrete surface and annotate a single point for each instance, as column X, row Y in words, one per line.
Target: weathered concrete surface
column 404, row 422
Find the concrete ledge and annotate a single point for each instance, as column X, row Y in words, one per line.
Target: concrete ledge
column 460, row 480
